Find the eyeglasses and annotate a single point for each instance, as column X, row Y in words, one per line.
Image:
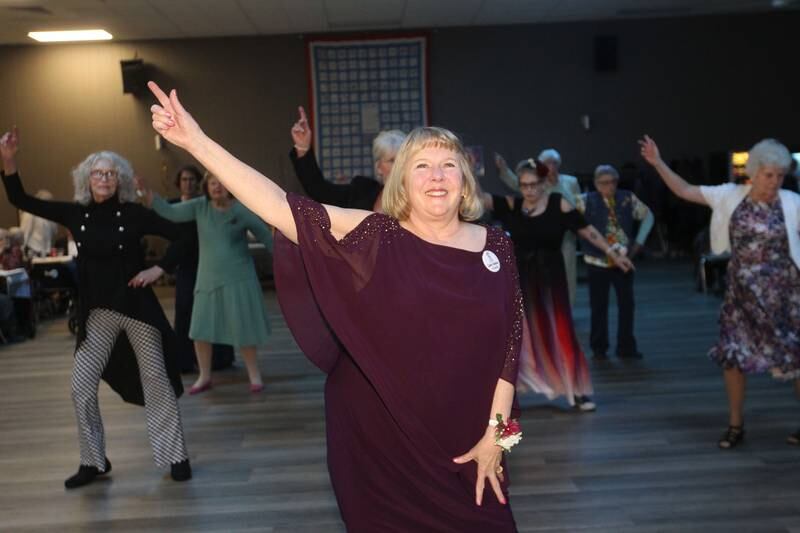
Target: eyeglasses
column 531, row 186
column 98, row 174
column 603, row 183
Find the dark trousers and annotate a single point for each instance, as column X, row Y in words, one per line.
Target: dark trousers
column 222, row 355
column 600, row 281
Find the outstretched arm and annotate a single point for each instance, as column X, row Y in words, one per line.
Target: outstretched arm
column 260, row 194
column 56, row 211
column 676, row 184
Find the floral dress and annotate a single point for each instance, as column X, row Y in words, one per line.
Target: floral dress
column 760, row 317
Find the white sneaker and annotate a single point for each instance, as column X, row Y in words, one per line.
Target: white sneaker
column 584, row 403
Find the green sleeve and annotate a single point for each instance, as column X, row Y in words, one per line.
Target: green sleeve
column 179, row 212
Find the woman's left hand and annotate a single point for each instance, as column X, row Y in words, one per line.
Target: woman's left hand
column 488, row 455
column 146, row 277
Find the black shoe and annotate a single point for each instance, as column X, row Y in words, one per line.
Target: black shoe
column 633, row 355
column 600, row 356
column 732, row 437
column 585, row 403
column 86, row 475
column 181, row 471
column 794, row 438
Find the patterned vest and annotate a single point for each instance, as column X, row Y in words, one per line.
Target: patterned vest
column 598, row 215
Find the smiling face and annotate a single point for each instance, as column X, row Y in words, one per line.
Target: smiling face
column 103, row 180
column 434, row 183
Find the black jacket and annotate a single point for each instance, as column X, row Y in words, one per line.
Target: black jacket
column 108, row 236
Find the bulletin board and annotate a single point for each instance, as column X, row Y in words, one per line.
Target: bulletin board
column 360, row 87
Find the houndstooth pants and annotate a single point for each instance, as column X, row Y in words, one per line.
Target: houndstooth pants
column 161, row 406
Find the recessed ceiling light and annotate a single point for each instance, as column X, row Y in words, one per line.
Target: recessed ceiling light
column 65, row 36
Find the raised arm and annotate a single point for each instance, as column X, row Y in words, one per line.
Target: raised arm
column 57, row 211
column 260, row 194
column 676, row 184
column 505, row 174
column 307, row 170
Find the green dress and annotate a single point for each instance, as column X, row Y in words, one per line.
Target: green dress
column 228, row 301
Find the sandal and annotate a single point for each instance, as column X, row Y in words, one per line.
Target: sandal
column 731, row 438
column 794, row 438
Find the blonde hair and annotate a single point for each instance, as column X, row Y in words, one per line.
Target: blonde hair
column 395, row 200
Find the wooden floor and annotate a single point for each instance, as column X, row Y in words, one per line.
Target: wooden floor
column 646, row 461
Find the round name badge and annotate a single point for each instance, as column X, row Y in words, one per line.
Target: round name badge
column 490, row 261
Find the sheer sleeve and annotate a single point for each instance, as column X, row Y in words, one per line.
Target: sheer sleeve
column 61, row 212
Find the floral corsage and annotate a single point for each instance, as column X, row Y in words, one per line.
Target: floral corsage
column 507, row 433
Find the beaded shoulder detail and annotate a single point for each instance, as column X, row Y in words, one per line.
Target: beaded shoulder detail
column 498, row 241
column 374, row 225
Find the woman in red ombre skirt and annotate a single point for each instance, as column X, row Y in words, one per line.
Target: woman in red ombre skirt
column 552, row 361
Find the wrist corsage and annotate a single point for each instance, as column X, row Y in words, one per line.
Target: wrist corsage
column 507, row 433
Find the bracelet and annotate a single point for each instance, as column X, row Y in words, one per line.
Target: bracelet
column 302, row 148
column 507, row 434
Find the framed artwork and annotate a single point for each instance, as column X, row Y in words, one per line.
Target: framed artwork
column 360, row 87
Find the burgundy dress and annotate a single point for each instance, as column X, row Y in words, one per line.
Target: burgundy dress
column 414, row 337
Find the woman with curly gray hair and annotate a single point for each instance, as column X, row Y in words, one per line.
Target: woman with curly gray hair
column 760, row 316
column 114, row 298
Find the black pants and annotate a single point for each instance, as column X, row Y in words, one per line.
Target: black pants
column 600, row 281
column 222, row 354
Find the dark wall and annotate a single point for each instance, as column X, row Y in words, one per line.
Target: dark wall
column 697, row 85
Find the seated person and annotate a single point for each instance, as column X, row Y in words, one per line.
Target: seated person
column 11, row 255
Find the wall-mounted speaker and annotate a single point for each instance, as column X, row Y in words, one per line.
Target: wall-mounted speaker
column 134, row 77
column 605, row 53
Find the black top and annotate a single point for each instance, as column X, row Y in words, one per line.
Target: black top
column 108, row 236
column 541, row 232
column 188, row 260
column 360, row 193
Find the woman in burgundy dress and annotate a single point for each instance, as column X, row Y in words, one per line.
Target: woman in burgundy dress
column 425, row 318
column 552, row 361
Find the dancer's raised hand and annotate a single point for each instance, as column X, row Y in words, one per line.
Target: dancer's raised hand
column 649, row 150
column 301, row 133
column 9, row 146
column 172, row 121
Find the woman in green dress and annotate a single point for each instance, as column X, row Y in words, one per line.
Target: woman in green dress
column 228, row 302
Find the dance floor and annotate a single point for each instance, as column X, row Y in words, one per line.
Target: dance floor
column 646, row 461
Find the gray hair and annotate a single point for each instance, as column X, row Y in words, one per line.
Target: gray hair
column 602, row 170
column 385, row 143
column 550, row 154
column 767, row 152
column 126, row 191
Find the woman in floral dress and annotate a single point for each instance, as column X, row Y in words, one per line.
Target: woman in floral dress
column 760, row 316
